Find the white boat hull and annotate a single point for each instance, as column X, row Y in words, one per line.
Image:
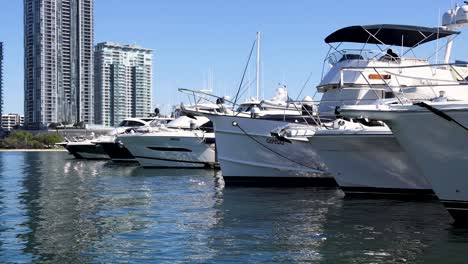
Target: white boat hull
column 170, row 149
column 438, row 146
column 370, row 164
column 248, row 154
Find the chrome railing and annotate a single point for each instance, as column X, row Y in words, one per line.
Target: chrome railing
column 383, row 71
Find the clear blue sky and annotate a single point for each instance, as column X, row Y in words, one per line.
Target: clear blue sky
column 191, row 38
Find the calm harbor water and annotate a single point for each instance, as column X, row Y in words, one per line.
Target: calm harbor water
column 55, row 209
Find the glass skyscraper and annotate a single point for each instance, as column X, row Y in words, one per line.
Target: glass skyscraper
column 58, row 49
column 123, row 82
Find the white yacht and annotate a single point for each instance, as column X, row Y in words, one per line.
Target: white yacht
column 249, row 149
column 116, row 150
column 86, row 148
column 250, row 155
column 188, row 141
column 434, row 133
column 251, row 158
column 368, row 160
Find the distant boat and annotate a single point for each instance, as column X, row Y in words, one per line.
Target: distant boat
column 116, row 150
column 86, row 148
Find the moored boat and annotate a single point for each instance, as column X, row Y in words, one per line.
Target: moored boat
column 184, row 142
column 86, row 148
column 368, row 161
column 433, row 132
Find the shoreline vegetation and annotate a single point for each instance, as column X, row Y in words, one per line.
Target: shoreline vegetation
column 26, row 141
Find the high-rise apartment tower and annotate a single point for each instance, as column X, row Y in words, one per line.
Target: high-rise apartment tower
column 58, row 61
column 123, row 82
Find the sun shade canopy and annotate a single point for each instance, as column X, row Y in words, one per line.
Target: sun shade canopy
column 396, row 35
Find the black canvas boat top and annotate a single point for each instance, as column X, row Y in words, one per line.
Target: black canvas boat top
column 389, row 34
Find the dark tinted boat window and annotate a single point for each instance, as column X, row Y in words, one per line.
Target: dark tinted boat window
column 207, row 127
column 134, row 124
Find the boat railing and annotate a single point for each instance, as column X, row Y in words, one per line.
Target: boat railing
column 363, row 54
column 352, row 54
column 201, row 96
column 234, row 107
column 304, row 111
column 320, row 117
column 383, row 74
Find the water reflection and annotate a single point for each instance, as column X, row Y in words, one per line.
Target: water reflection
column 12, row 213
column 58, row 194
column 382, row 231
column 59, row 210
column 272, row 225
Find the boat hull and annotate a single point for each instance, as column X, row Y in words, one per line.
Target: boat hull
column 117, row 152
column 371, row 164
column 249, row 155
column 171, row 150
column 437, row 145
column 86, row 151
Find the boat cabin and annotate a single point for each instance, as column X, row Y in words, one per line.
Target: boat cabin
column 362, row 76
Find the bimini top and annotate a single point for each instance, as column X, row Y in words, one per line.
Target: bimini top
column 397, row 35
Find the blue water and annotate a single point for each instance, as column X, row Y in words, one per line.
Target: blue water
column 54, row 209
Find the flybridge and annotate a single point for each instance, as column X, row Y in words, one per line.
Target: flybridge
column 357, row 76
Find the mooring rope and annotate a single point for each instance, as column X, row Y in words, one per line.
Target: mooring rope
column 441, row 114
column 273, row 151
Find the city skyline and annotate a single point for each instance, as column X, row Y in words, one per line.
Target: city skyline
column 192, row 39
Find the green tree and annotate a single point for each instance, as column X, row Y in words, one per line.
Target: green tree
column 26, row 140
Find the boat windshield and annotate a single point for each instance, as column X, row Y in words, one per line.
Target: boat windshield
column 353, row 54
column 131, row 123
column 247, row 107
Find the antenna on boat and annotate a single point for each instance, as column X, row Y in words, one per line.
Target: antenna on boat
column 258, row 67
column 454, row 19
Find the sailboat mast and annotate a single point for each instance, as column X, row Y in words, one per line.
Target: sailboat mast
column 258, row 66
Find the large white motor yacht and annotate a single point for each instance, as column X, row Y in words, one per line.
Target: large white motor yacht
column 250, row 155
column 187, row 141
column 368, row 160
column 249, row 149
column 434, row 133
